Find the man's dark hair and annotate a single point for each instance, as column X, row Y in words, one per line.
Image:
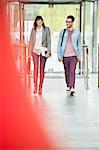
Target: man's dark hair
column 71, row 17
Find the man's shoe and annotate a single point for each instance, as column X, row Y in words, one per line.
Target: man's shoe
column 72, row 91
column 68, row 89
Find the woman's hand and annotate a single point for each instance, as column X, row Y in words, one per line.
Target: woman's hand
column 29, row 59
column 48, row 55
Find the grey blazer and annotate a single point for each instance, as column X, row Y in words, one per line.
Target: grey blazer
column 46, row 39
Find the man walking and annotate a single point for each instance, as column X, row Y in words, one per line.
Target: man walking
column 69, row 49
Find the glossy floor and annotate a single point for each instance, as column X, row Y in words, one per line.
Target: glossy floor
column 72, row 121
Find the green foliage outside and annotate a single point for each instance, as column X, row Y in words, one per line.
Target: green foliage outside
column 55, row 16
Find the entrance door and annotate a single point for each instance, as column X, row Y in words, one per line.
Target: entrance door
column 54, row 17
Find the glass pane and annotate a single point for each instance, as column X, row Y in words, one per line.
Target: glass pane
column 14, row 22
column 98, row 40
column 89, row 32
column 98, row 22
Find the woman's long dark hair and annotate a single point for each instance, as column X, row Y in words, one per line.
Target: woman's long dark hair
column 35, row 22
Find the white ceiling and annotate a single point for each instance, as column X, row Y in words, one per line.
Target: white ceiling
column 57, row 1
column 50, row 1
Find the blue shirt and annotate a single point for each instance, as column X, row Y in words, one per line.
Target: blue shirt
column 76, row 43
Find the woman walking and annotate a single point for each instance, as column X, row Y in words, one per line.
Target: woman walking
column 40, row 50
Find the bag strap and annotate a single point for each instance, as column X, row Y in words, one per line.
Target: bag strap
column 63, row 36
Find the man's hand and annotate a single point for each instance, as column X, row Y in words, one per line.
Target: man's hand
column 60, row 59
column 78, row 60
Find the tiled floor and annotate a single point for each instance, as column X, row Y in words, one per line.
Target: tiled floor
column 72, row 121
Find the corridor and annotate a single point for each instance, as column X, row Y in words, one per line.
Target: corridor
column 72, row 121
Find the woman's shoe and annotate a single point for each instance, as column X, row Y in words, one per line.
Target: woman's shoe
column 35, row 89
column 40, row 90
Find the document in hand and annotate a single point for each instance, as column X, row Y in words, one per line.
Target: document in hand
column 43, row 50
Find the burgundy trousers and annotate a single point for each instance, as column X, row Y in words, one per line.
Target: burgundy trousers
column 70, row 67
column 39, row 64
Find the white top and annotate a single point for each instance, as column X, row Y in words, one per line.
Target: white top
column 38, row 41
column 38, row 49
